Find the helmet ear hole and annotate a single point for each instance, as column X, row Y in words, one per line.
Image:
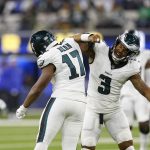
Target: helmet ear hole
column 40, row 41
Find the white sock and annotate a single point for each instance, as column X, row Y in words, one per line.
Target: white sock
column 130, row 148
column 143, row 141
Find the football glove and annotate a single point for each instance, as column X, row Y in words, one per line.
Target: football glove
column 21, row 112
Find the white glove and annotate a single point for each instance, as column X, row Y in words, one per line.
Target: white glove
column 21, row 112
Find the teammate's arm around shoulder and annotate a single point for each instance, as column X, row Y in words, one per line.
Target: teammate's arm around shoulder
column 140, row 85
column 36, row 90
column 87, row 37
column 86, row 41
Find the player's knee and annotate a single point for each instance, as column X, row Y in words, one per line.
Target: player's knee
column 124, row 135
column 88, row 142
column 144, row 127
column 41, row 146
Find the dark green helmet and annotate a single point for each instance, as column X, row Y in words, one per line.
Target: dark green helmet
column 41, row 41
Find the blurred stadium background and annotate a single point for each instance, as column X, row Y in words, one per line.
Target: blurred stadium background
column 18, row 69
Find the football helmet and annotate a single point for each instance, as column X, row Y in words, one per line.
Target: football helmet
column 41, row 41
column 130, row 41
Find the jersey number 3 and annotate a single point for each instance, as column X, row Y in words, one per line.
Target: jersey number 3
column 72, row 67
column 104, row 88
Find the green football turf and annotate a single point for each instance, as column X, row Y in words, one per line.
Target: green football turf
column 23, row 138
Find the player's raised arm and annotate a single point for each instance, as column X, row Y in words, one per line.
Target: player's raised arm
column 140, row 85
column 86, row 42
column 87, row 37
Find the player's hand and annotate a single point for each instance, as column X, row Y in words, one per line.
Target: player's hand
column 95, row 38
column 21, row 112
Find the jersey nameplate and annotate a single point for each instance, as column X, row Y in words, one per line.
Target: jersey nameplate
column 65, row 47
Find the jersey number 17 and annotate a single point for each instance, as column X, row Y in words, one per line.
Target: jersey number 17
column 72, row 67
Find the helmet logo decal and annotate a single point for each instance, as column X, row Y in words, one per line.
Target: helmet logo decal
column 131, row 40
column 40, row 63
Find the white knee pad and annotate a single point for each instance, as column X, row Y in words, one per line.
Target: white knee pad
column 89, row 141
column 130, row 148
column 41, row 146
column 85, row 149
column 124, row 135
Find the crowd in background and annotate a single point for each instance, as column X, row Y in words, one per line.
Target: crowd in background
column 16, row 15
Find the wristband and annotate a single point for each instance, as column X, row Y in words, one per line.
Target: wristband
column 23, row 108
column 85, row 37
